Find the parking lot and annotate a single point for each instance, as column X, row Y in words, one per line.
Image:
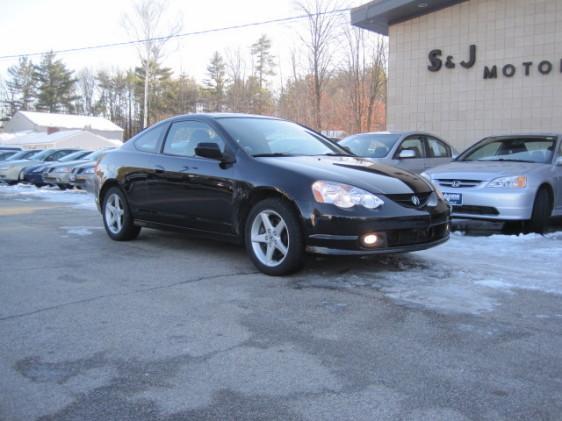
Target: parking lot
column 170, row 327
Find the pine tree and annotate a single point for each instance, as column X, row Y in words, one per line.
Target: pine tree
column 215, row 84
column 264, row 63
column 21, row 87
column 56, row 85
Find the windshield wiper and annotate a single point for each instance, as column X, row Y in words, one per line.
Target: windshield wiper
column 506, row 160
column 335, row 154
column 263, row 155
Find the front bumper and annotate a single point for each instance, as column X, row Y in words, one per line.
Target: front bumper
column 398, row 229
column 56, row 178
column 33, row 178
column 493, row 204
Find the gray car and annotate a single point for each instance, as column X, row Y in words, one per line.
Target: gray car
column 412, row 151
column 505, row 178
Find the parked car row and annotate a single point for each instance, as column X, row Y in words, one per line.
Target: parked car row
column 500, row 178
column 65, row 168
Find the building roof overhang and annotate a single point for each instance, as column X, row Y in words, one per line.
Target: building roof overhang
column 378, row 15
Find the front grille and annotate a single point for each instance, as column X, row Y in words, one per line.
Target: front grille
column 458, row 184
column 406, row 199
column 416, row 236
column 476, row 210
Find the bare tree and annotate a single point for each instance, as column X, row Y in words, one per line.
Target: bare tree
column 148, row 23
column 321, row 32
column 86, row 88
column 377, row 78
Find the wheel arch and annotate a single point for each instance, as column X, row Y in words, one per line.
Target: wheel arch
column 548, row 187
column 257, row 196
column 105, row 187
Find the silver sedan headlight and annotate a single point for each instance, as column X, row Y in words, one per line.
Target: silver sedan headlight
column 344, row 195
column 518, row 181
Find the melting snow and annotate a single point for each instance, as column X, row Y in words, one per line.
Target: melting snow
column 25, row 192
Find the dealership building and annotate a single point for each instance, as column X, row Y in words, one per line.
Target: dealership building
column 466, row 69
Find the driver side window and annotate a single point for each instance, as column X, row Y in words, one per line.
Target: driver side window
column 184, row 136
column 414, row 144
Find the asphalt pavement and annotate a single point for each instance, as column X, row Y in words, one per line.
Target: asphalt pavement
column 168, row 327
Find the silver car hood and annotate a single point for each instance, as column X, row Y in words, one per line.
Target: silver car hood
column 483, row 170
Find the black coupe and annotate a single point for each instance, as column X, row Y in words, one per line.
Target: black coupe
column 277, row 187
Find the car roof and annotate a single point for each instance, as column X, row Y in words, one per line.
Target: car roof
column 539, row 134
column 399, row 132
column 218, row 115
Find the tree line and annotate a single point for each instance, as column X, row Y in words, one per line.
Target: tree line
column 337, row 80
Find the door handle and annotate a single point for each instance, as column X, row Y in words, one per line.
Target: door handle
column 158, row 169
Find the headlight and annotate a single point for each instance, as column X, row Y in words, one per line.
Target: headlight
column 344, row 195
column 518, row 181
column 63, row 170
column 89, row 171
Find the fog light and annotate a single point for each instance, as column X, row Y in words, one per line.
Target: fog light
column 369, row 240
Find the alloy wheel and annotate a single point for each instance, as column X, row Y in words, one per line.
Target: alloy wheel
column 270, row 238
column 114, row 213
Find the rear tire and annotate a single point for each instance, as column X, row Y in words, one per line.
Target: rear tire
column 61, row 186
column 542, row 210
column 274, row 238
column 117, row 218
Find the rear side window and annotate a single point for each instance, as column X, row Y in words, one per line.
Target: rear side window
column 438, row 149
column 148, row 141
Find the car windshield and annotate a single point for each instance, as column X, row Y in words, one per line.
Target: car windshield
column 370, row 145
column 23, row 155
column 270, row 137
column 74, row 156
column 93, row 156
column 513, row 149
column 44, row 154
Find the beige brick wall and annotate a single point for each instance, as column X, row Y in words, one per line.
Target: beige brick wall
column 458, row 104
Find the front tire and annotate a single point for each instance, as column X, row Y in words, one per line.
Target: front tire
column 117, row 218
column 542, row 210
column 274, row 238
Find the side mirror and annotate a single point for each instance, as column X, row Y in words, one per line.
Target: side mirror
column 407, row 154
column 559, row 161
column 209, row 150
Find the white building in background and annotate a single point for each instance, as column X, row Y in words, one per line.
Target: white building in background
column 51, row 122
column 466, row 69
column 78, row 139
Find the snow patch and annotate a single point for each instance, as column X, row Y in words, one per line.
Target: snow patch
column 25, row 192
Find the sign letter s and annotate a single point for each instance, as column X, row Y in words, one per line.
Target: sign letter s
column 436, row 62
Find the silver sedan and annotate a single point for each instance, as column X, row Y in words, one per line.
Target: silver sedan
column 412, row 151
column 505, row 178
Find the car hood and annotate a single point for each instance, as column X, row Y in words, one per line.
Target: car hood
column 20, row 163
column 373, row 177
column 483, row 170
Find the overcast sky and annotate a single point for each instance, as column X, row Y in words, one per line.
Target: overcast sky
column 41, row 25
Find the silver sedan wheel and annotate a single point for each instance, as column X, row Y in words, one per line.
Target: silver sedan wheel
column 114, row 212
column 270, row 238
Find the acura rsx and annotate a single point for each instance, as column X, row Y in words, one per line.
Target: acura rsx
column 279, row 188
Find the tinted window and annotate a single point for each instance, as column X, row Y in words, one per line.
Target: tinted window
column 148, row 141
column 539, row 150
column 415, row 144
column 437, row 148
column 370, row 145
column 74, row 156
column 263, row 136
column 184, row 136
